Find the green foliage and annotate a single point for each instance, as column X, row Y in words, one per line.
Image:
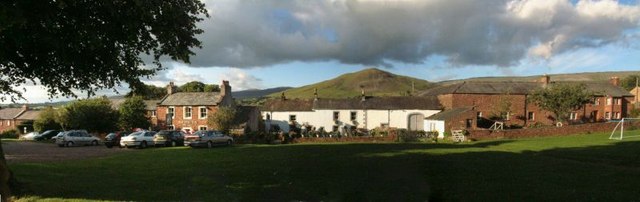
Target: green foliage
column 193, row 86
column 47, row 120
column 12, row 133
column 634, row 113
column 92, row 45
column 561, row 99
column 211, row 88
column 223, row 119
column 148, row 92
column 133, row 114
column 93, row 115
column 629, row 82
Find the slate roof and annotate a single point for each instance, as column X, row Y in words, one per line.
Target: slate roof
column 29, row 115
column 192, row 98
column 287, row 105
column 151, row 104
column 10, row 113
column 518, row 88
column 384, row 103
column 448, row 114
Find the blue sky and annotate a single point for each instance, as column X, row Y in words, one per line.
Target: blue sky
column 273, row 43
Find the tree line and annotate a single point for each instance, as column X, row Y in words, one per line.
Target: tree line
column 151, row 92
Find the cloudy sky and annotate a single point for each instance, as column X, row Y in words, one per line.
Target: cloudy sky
column 272, row 43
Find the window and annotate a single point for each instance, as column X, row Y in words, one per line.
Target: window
column 616, row 115
column 153, row 113
column 609, row 101
column 617, row 101
column 354, row 116
column 292, row 118
column 8, row 123
column 607, row 115
column 202, row 127
column 187, row 112
column 171, row 111
column 505, row 115
column 203, row 112
column 335, row 128
column 573, row 116
column 596, row 101
column 336, row 115
column 531, row 116
column 479, row 114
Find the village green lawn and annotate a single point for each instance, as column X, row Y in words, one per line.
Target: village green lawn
column 575, row 168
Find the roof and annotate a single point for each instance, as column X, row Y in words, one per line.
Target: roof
column 192, row 98
column 29, row 115
column 151, row 104
column 385, row 103
column 518, row 88
column 10, row 113
column 448, row 114
column 287, row 105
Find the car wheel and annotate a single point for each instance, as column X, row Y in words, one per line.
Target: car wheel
column 94, row 143
column 229, row 142
column 209, row 144
column 143, row 144
column 69, row 144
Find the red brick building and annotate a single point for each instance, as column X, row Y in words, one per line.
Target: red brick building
column 11, row 117
column 486, row 98
column 189, row 110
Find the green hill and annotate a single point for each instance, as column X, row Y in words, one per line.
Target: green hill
column 374, row 81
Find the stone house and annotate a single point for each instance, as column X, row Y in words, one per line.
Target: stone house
column 339, row 114
column 189, row 111
column 485, row 99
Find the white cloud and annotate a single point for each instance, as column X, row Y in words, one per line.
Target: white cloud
column 498, row 32
column 241, row 80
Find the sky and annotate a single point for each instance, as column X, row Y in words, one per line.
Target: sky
column 274, row 43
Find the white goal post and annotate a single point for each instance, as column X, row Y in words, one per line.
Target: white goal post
column 618, row 132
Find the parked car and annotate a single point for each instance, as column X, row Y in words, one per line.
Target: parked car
column 113, row 139
column 207, row 138
column 169, row 138
column 29, row 136
column 140, row 139
column 46, row 135
column 77, row 137
column 59, row 135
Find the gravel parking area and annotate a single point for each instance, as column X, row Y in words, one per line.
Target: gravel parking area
column 24, row 151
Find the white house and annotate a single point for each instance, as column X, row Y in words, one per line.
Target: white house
column 337, row 114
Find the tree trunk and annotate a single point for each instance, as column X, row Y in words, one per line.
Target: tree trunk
column 5, row 175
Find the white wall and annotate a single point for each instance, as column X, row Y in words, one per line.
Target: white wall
column 368, row 119
column 435, row 125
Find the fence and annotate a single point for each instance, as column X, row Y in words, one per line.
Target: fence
column 542, row 131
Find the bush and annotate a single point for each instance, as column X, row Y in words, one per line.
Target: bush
column 410, row 136
column 13, row 134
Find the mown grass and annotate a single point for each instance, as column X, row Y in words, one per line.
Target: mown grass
column 576, row 168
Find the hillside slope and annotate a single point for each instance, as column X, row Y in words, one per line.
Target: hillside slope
column 374, row 81
column 587, row 76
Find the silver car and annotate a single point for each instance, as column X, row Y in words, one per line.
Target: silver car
column 207, row 138
column 76, row 137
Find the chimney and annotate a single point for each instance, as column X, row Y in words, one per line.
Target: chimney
column 25, row 107
column 225, row 88
column 282, row 97
column 615, row 81
column 315, row 94
column 545, row 79
column 171, row 89
column 363, row 96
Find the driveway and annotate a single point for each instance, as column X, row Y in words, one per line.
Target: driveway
column 24, row 151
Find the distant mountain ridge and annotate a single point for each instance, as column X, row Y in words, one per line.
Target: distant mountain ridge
column 257, row 93
column 586, row 76
column 373, row 81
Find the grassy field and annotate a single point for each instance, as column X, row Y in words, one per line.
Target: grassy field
column 575, row 168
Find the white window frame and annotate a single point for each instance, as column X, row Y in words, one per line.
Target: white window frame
column 184, row 112
column 596, row 101
column 609, row 101
column 617, row 101
column 353, row 115
column 200, row 127
column 206, row 112
column 573, row 116
column 607, row 115
column 531, row 116
column 617, row 115
column 8, row 123
column 294, row 116
column 334, row 117
column 172, row 111
column 479, row 114
column 153, row 113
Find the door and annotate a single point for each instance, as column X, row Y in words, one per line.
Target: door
column 416, row 122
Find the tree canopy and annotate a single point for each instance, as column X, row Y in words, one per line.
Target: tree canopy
column 561, row 99
column 133, row 114
column 148, row 92
column 47, row 120
column 223, row 119
column 91, row 45
column 629, row 82
column 93, row 115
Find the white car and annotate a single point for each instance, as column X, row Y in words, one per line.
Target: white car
column 29, row 136
column 76, row 137
column 140, row 139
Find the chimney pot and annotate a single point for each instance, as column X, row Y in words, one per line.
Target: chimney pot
column 171, row 89
column 615, row 81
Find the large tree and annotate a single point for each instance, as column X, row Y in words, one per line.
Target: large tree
column 89, row 45
column 133, row 114
column 630, row 82
column 47, row 120
column 193, row 86
column 93, row 115
column 223, row 119
column 148, row 92
column 561, row 99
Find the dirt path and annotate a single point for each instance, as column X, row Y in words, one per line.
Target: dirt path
column 21, row 152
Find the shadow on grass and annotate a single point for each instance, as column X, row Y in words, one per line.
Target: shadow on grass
column 346, row 172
